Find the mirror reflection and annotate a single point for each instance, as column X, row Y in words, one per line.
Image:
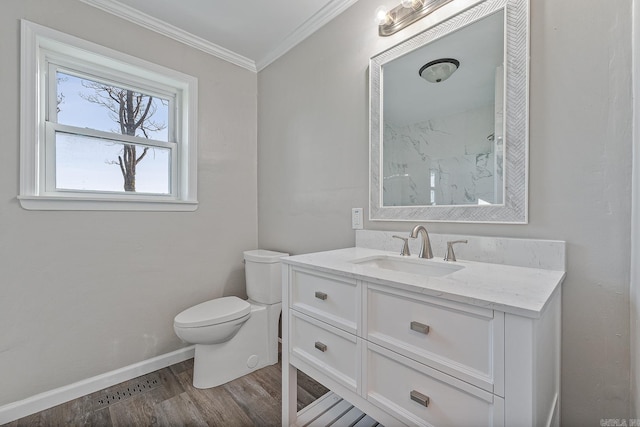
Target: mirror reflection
column 442, row 111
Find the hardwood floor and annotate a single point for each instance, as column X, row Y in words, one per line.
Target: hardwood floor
column 168, row 398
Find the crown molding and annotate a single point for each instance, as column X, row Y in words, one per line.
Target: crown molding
column 135, row 16
column 311, row 25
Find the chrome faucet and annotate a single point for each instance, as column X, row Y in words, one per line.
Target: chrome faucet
column 425, row 250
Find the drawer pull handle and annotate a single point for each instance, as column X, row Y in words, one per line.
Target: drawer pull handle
column 416, row 396
column 321, row 347
column 420, row 327
column 321, row 295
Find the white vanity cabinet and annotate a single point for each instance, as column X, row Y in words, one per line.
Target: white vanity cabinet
column 404, row 357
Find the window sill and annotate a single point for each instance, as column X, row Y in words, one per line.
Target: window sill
column 51, row 203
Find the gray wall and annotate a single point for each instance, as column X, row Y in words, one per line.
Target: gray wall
column 83, row 293
column 313, row 157
column 635, row 224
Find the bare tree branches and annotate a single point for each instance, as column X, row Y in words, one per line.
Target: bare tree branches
column 60, row 95
column 133, row 112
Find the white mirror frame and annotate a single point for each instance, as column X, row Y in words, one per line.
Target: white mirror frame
column 516, row 121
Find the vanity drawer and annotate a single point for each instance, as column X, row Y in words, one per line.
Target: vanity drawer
column 332, row 299
column 461, row 340
column 419, row 395
column 333, row 351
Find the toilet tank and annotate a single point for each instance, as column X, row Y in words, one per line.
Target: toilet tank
column 263, row 272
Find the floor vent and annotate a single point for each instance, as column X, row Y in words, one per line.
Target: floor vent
column 118, row 393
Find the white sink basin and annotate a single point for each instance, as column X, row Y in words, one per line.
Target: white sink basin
column 411, row 265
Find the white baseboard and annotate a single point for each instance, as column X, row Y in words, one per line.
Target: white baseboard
column 51, row 398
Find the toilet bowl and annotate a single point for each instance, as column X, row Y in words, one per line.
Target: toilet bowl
column 212, row 322
column 234, row 337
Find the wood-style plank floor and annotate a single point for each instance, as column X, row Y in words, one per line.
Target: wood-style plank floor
column 168, row 398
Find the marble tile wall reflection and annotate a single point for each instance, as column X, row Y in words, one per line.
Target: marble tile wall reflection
column 453, row 160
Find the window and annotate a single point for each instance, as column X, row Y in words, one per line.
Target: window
column 102, row 130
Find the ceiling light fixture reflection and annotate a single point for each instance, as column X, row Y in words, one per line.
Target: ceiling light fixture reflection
column 439, row 70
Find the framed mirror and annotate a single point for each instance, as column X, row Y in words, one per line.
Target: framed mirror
column 449, row 120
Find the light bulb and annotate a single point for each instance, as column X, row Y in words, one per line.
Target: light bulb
column 412, row 4
column 382, row 16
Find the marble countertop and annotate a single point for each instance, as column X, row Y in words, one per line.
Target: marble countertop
column 518, row 290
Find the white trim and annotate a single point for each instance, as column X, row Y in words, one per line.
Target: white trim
column 161, row 27
column 41, row 44
column 29, row 111
column 65, row 203
column 311, row 25
column 314, row 23
column 51, row 398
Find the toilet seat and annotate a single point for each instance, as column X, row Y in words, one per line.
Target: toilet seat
column 213, row 312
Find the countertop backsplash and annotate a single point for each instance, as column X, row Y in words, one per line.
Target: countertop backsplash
column 534, row 253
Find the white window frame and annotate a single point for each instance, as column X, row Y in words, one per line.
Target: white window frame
column 44, row 51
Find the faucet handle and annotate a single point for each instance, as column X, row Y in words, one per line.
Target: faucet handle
column 451, row 256
column 405, row 247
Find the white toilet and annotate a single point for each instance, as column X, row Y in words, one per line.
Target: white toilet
column 232, row 336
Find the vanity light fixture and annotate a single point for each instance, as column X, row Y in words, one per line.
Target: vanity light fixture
column 439, row 70
column 405, row 14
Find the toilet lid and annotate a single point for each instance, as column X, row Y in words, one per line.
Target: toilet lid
column 263, row 256
column 212, row 312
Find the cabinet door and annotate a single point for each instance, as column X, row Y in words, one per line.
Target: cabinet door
column 422, row 396
column 333, row 299
column 460, row 340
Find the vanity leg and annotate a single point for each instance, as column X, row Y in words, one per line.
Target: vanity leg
column 289, row 395
column 289, row 373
